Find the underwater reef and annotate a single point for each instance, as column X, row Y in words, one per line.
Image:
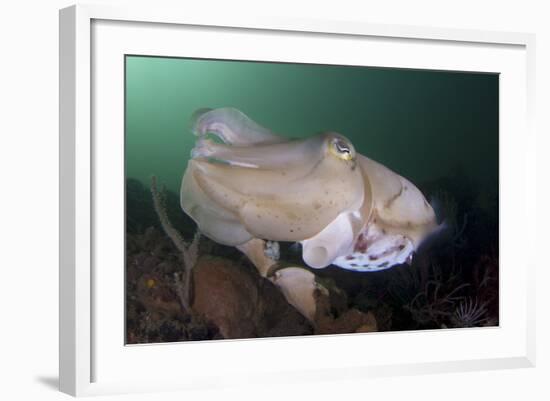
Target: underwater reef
column 184, row 287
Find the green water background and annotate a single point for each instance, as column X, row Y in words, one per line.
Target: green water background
column 425, row 125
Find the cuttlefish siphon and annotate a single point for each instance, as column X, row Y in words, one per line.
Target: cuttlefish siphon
column 244, row 182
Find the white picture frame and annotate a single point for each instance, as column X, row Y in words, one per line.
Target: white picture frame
column 91, row 353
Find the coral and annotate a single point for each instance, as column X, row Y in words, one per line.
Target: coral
column 470, row 313
column 154, row 310
column 433, row 304
column 189, row 251
column 485, row 280
column 428, row 292
column 141, row 214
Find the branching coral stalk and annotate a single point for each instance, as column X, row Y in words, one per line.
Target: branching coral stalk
column 189, row 251
column 433, row 304
column 436, row 292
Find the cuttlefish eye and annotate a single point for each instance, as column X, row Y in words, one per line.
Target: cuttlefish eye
column 341, row 148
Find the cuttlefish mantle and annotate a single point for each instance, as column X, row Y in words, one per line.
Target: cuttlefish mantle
column 244, row 182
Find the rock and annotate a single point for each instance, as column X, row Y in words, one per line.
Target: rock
column 240, row 303
column 370, row 324
column 322, row 302
column 351, row 321
column 335, row 317
column 225, row 295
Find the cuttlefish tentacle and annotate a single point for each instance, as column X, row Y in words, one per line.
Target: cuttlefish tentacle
column 231, row 126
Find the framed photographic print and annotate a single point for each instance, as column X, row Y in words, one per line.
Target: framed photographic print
column 354, row 196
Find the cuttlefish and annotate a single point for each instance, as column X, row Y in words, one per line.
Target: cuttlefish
column 244, row 182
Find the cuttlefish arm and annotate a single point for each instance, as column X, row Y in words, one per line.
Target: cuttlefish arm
column 232, row 127
column 290, row 156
